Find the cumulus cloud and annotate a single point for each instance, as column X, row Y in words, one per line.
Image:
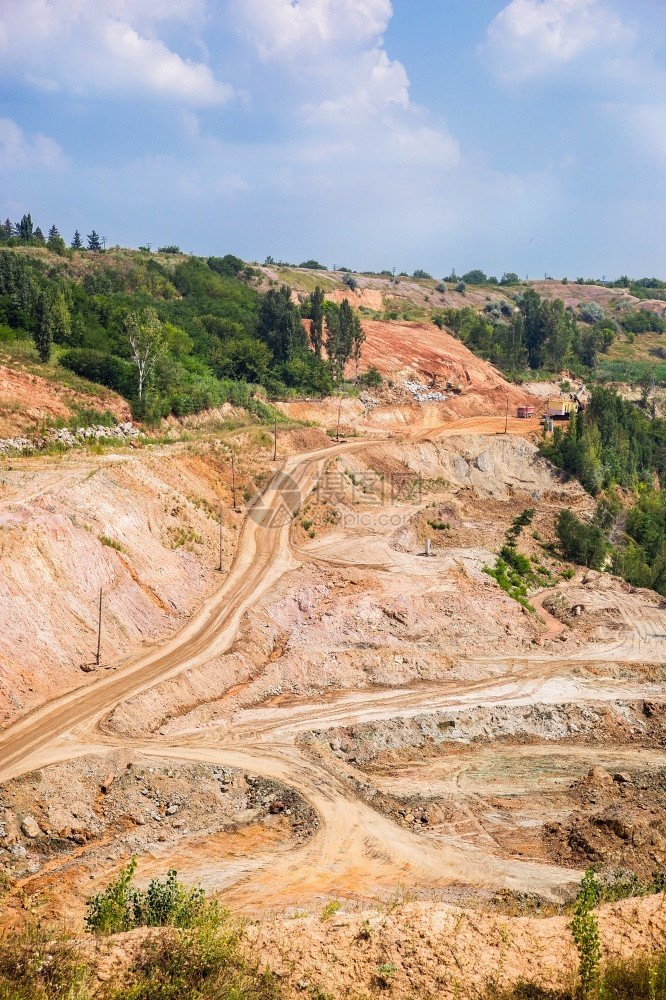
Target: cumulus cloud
column 531, row 38
column 109, row 46
column 282, row 29
column 21, row 151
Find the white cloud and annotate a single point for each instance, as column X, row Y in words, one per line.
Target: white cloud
column 282, row 29
column 21, row 151
column 531, row 38
column 109, row 46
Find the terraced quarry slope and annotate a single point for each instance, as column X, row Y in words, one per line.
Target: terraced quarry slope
column 337, row 716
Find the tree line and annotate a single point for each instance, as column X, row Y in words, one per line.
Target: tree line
column 173, row 339
column 25, row 232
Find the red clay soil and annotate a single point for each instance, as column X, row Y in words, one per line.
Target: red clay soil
column 436, row 357
column 27, row 401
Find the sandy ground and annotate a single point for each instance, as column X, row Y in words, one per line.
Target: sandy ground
column 433, row 737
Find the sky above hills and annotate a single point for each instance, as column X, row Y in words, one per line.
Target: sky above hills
column 527, row 135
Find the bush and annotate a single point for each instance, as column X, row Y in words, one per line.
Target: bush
column 580, row 542
column 105, row 369
column 643, row 321
column 371, row 378
column 312, row 265
column 228, row 266
column 591, row 312
column 461, row 287
column 420, row 273
column 350, row 281
column 121, row 907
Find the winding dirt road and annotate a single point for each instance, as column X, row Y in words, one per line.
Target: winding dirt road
column 355, row 846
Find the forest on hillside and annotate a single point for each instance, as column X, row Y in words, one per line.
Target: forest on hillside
column 172, row 335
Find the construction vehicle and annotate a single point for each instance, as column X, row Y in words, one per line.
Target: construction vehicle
column 561, row 409
column 525, row 412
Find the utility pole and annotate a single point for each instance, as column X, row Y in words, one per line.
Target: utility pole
column 275, row 441
column 506, row 421
column 337, row 432
column 220, row 567
column 233, row 480
column 99, row 629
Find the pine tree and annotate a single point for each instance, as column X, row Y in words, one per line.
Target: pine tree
column 94, row 242
column 55, row 242
column 77, row 242
column 42, row 332
column 317, row 320
column 9, row 228
column 39, row 236
column 24, row 228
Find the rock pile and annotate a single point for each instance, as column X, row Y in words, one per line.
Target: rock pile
column 68, row 438
column 421, row 393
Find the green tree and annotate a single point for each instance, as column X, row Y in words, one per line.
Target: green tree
column 42, row 328
column 358, row 339
column 61, row 320
column 340, row 337
column 24, row 228
column 77, row 242
column 279, row 324
column 580, row 542
column 39, row 236
column 530, row 307
column 145, row 337
column 55, row 242
column 94, row 242
column 245, row 359
column 317, row 320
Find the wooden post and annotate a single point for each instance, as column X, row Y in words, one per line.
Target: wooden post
column 220, row 538
column 275, row 442
column 337, row 433
column 233, row 480
column 506, row 421
column 99, row 629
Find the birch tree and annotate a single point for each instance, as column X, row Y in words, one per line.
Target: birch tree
column 145, row 338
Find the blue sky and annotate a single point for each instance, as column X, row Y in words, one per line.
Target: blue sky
column 527, row 135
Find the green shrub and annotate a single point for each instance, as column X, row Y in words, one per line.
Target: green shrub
column 121, row 907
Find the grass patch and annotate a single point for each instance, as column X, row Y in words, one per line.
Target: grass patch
column 111, row 542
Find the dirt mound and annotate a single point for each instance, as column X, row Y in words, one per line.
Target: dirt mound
column 27, row 401
column 400, row 349
column 619, row 822
column 413, row 949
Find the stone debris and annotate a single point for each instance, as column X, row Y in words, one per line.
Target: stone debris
column 70, row 439
column 422, row 394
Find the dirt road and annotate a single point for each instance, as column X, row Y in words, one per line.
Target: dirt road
column 355, row 847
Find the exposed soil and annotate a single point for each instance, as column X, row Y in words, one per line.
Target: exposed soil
column 28, row 401
column 337, row 715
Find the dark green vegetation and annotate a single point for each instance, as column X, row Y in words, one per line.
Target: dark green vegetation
column 610, row 445
column 174, row 334
column 528, row 333
column 515, row 573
